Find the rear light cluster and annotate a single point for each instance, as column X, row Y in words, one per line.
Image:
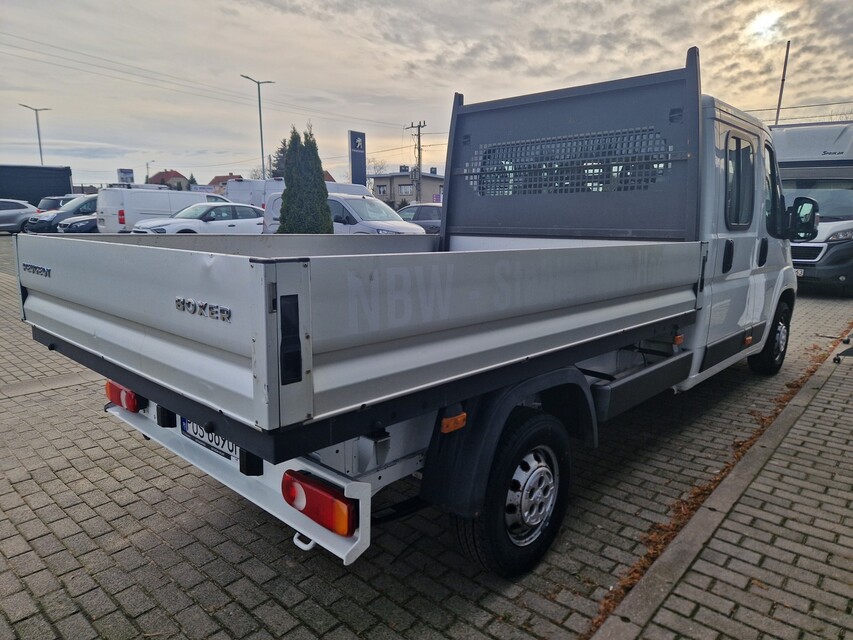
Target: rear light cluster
column 124, row 397
column 320, row 501
column 121, row 216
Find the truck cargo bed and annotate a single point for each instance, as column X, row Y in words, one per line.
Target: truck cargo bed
column 272, row 337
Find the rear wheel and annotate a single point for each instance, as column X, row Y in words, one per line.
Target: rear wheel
column 769, row 360
column 526, row 497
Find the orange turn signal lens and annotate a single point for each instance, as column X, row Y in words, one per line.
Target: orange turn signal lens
column 454, row 423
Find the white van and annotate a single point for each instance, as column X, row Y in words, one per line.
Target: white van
column 119, row 208
column 253, row 192
column 351, row 214
column 816, row 160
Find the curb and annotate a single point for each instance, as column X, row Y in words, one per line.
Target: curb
column 632, row 615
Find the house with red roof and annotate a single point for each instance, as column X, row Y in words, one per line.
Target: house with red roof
column 171, row 178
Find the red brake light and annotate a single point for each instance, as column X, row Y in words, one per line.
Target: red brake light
column 122, row 396
column 121, row 216
column 321, row 501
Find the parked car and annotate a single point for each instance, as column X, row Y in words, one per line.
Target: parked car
column 427, row 215
column 48, row 221
column 14, row 215
column 80, row 224
column 49, row 203
column 351, row 214
column 207, row 217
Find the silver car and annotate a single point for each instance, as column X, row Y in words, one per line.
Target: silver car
column 14, row 215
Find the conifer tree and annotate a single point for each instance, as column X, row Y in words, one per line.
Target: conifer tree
column 303, row 204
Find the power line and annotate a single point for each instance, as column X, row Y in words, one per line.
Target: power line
column 224, row 95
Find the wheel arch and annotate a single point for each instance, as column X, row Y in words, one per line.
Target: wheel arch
column 458, row 463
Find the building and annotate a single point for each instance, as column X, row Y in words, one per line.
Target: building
column 395, row 188
column 171, row 178
column 218, row 182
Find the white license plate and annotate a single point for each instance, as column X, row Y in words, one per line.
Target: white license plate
column 798, row 273
column 210, row 441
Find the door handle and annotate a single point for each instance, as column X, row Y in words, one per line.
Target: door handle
column 728, row 256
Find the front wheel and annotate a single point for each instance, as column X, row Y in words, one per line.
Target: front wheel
column 526, row 497
column 769, row 360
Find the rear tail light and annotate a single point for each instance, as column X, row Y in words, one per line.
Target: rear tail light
column 121, row 216
column 124, row 397
column 321, row 501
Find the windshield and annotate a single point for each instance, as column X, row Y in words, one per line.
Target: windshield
column 194, row 211
column 834, row 197
column 72, row 204
column 373, row 210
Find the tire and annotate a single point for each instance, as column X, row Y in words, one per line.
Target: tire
column 526, row 497
column 769, row 360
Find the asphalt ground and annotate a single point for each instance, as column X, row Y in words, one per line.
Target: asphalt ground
column 104, row 534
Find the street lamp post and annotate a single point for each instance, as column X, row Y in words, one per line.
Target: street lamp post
column 38, row 127
column 146, row 170
column 260, row 119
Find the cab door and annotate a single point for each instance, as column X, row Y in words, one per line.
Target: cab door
column 339, row 217
column 734, row 289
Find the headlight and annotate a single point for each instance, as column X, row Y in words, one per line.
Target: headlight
column 77, row 225
column 158, row 230
column 841, row 235
column 386, row 232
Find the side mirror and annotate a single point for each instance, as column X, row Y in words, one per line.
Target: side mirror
column 804, row 219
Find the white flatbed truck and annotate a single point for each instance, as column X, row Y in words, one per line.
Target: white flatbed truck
column 599, row 245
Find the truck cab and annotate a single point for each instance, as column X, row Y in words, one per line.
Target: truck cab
column 816, row 160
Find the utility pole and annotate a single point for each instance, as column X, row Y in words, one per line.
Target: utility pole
column 420, row 125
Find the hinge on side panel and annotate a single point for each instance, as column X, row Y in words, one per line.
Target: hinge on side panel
column 272, row 298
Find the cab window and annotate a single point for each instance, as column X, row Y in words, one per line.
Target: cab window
column 247, row 213
column 337, row 210
column 740, row 182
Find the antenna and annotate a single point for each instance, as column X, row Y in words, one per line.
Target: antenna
column 782, row 86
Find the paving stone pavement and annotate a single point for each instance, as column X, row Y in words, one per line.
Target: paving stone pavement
column 104, row 534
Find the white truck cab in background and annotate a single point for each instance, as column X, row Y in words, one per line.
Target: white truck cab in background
column 354, row 210
column 253, row 192
column 816, row 160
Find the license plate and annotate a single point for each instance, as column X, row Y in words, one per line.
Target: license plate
column 210, row 441
column 798, row 273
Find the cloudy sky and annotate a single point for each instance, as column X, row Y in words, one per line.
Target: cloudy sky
column 159, row 82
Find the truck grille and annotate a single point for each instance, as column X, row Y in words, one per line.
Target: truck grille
column 807, row 252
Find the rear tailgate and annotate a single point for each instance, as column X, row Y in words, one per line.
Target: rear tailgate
column 188, row 321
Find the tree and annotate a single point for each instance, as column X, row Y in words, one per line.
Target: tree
column 256, row 173
column 192, row 179
column 403, row 203
column 303, row 204
column 278, row 161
